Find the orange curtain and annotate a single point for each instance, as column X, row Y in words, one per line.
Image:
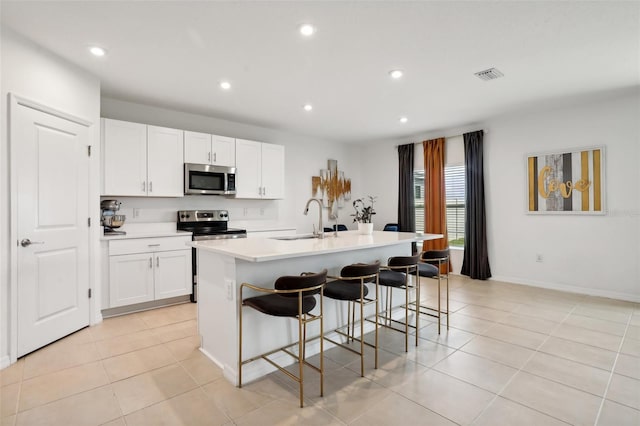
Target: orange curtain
column 435, row 204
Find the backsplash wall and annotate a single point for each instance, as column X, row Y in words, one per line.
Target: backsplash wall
column 145, row 210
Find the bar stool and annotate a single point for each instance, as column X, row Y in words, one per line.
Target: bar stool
column 351, row 287
column 430, row 266
column 294, row 297
column 396, row 275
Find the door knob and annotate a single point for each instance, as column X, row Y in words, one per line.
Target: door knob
column 27, row 242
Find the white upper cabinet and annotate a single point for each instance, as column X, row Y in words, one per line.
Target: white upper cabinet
column 124, row 158
column 272, row 171
column 248, row 169
column 197, row 147
column 259, row 170
column 223, row 150
column 164, row 162
column 141, row 160
column 203, row 148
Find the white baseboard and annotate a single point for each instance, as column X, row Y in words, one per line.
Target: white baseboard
column 5, row 361
column 570, row 288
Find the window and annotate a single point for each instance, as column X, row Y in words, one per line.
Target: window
column 455, row 190
column 455, row 196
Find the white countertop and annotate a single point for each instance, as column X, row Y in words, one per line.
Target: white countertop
column 146, row 230
column 260, row 225
column 146, row 234
column 266, row 249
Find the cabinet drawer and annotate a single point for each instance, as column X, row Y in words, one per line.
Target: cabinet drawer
column 148, row 245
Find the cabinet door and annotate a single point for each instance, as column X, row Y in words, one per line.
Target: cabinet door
column 272, row 171
column 248, row 169
column 124, row 158
column 197, row 148
column 165, row 162
column 130, row 279
column 172, row 273
column 224, row 151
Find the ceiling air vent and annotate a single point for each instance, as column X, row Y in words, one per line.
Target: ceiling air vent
column 490, row 74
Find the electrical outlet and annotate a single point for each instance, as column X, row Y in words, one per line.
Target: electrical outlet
column 261, row 211
column 539, row 258
column 136, row 213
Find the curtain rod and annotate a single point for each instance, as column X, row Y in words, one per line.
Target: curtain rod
column 446, row 137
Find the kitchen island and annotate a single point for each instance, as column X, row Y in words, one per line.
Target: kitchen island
column 223, row 265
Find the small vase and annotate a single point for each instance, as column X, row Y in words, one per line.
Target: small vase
column 365, row 228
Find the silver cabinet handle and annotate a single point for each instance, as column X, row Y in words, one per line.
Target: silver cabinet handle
column 153, row 245
column 27, row 242
column 215, row 157
column 144, row 186
column 209, row 157
column 158, row 262
column 150, row 186
column 264, row 190
column 150, row 262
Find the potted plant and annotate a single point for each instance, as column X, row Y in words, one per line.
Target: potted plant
column 364, row 214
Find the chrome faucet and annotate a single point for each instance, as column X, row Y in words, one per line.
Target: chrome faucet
column 320, row 232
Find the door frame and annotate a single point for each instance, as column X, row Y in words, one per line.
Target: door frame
column 16, row 101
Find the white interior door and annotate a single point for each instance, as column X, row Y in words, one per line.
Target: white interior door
column 51, row 168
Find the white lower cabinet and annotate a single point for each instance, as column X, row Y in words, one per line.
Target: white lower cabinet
column 172, row 273
column 146, row 269
column 131, row 279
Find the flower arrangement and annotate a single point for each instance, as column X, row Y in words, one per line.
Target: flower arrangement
column 363, row 212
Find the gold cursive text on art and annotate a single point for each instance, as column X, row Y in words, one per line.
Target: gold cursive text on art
column 546, row 188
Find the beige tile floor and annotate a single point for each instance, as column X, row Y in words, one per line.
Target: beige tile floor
column 514, row 355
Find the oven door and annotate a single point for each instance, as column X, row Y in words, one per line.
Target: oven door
column 203, row 179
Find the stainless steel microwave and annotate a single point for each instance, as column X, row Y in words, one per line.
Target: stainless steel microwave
column 203, row 179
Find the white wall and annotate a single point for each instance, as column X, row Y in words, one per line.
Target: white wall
column 304, row 157
column 591, row 254
column 31, row 72
column 597, row 255
column 380, row 179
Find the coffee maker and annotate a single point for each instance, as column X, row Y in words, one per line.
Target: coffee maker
column 109, row 219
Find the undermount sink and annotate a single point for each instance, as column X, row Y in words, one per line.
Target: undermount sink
column 295, row 237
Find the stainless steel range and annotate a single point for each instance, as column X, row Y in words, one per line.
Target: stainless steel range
column 206, row 225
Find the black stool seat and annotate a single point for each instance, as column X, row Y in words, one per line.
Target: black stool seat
column 344, row 290
column 392, row 278
column 293, row 297
column 280, row 306
column 427, row 270
column 396, row 276
column 351, row 286
column 435, row 264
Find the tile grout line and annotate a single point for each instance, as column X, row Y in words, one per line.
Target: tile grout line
column 499, row 393
column 613, row 368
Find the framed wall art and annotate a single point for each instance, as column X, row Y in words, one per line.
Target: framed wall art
column 566, row 182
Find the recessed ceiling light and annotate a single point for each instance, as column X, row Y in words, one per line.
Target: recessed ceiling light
column 403, row 120
column 307, row 30
column 97, row 51
column 225, row 85
column 308, row 107
column 396, row 74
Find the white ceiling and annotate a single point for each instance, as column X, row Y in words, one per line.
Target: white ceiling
column 174, row 54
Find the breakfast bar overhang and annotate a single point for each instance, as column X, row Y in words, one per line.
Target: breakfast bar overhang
column 223, row 265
